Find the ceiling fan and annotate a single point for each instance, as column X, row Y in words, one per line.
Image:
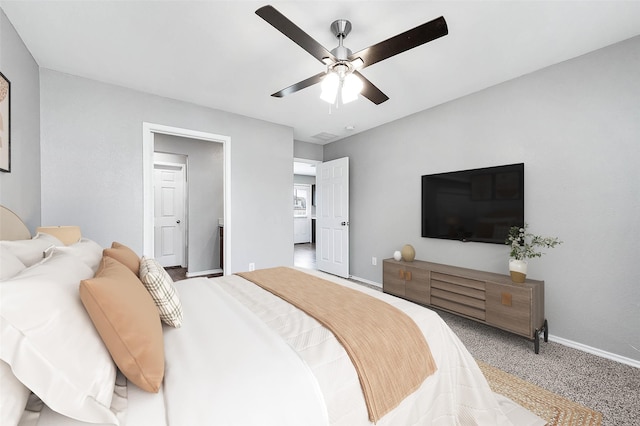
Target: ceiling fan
column 343, row 66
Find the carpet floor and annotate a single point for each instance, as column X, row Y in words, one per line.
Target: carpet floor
column 603, row 385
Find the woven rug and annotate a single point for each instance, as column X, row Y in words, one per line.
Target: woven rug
column 556, row 410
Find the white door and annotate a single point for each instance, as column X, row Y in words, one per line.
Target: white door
column 332, row 217
column 301, row 213
column 169, row 217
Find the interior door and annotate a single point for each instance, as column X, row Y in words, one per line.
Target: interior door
column 169, row 217
column 332, row 216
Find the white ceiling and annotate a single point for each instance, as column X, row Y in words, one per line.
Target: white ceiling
column 221, row 55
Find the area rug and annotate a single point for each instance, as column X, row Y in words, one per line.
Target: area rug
column 554, row 409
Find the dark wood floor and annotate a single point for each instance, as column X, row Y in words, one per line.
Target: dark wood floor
column 177, row 273
column 304, row 255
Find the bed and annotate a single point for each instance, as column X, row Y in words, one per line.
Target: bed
column 82, row 342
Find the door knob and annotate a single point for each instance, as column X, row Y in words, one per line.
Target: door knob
column 344, row 223
column 178, row 221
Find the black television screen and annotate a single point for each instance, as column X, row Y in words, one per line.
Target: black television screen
column 473, row 205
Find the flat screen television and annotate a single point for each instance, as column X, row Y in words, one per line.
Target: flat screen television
column 473, row 205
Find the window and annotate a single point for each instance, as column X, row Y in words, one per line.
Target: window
column 300, row 201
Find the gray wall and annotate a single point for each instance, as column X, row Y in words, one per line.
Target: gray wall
column 205, row 170
column 309, row 180
column 92, row 166
column 20, row 189
column 576, row 126
column 308, row 151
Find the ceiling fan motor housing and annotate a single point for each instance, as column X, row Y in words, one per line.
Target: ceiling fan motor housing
column 341, row 28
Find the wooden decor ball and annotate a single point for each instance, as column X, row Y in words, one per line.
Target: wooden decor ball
column 408, row 253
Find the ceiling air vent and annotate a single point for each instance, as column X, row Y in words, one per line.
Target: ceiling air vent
column 324, row 136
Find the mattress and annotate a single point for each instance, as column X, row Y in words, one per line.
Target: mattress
column 245, row 357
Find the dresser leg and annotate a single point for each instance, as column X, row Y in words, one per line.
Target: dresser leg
column 536, row 341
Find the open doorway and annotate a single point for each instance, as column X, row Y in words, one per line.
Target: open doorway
column 304, row 213
column 153, row 133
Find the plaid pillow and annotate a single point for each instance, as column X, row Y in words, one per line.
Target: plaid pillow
column 160, row 286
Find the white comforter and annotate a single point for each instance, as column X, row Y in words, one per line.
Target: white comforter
column 226, row 366
column 456, row 394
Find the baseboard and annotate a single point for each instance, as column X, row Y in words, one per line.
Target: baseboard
column 595, row 351
column 201, row 273
column 363, row 280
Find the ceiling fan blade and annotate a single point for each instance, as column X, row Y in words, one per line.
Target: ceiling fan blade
column 291, row 30
column 300, row 85
column 370, row 91
column 402, row 42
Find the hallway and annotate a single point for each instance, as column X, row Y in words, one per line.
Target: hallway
column 304, row 255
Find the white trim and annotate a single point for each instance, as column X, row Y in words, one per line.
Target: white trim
column 148, row 131
column 201, row 273
column 363, row 280
column 595, row 351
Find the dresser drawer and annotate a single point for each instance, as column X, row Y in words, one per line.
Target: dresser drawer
column 458, row 308
column 456, row 281
column 472, row 293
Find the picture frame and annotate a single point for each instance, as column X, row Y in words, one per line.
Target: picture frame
column 5, row 124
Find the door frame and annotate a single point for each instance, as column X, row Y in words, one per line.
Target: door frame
column 148, row 134
column 307, row 218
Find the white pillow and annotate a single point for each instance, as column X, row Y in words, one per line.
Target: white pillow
column 13, row 396
column 31, row 251
column 86, row 250
column 160, row 286
column 10, row 265
column 49, row 238
column 51, row 343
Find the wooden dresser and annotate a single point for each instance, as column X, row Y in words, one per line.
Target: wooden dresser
column 489, row 298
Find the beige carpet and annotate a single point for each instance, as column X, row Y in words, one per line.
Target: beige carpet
column 554, row 409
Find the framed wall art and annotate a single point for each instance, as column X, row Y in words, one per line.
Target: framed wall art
column 5, row 124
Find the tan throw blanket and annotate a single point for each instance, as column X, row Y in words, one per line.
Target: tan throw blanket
column 388, row 350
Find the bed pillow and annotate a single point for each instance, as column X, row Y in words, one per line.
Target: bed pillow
column 10, row 265
column 124, row 255
column 50, row 342
column 86, row 250
column 13, row 396
column 124, row 314
column 160, row 286
column 66, row 234
column 30, row 252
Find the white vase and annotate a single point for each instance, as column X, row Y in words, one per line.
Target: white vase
column 518, row 270
column 397, row 255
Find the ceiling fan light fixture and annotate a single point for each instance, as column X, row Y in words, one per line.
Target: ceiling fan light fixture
column 351, row 88
column 330, row 85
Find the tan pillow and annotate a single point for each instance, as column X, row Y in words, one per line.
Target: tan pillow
column 66, row 234
column 127, row 320
column 124, row 255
